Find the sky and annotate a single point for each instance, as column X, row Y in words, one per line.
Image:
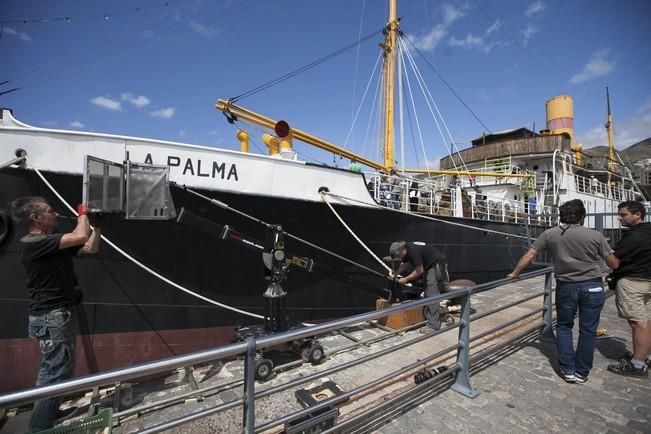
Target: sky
column 156, row 69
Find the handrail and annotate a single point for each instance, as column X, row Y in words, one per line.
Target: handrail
column 165, row 365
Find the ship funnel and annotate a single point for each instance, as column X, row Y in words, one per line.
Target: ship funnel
column 560, row 116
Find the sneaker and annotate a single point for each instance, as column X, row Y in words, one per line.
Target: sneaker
column 426, row 330
column 569, row 378
column 628, row 355
column 627, row 368
column 578, row 378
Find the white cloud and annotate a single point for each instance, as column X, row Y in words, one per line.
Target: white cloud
column 107, row 103
column 203, row 29
column 477, row 42
column 75, row 124
column 626, row 133
column 182, row 134
column 20, row 35
column 494, row 27
column 429, row 40
column 149, row 34
column 598, row 66
column 165, row 113
column 528, row 32
column 535, row 8
column 139, row 101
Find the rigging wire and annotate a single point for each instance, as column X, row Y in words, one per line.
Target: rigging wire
column 371, row 118
column 302, row 69
column 370, row 79
column 446, row 83
column 359, row 35
column 413, row 104
column 426, row 94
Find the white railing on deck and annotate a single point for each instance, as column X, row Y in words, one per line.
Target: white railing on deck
column 593, row 186
column 437, row 196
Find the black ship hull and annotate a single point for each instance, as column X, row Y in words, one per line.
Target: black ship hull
column 130, row 316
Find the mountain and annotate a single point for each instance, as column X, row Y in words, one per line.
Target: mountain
column 634, row 153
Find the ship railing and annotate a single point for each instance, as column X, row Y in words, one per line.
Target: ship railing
column 458, row 374
column 431, row 195
column 616, row 191
column 484, row 207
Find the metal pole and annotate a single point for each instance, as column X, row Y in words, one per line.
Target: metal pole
column 248, row 413
column 462, row 378
column 547, row 331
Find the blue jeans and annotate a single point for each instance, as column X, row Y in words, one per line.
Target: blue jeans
column 588, row 298
column 56, row 335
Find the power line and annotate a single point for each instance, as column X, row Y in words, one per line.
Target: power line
column 88, row 48
column 118, row 56
column 105, row 16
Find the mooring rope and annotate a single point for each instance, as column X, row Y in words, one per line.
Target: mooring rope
column 138, row 263
column 361, row 243
column 427, row 217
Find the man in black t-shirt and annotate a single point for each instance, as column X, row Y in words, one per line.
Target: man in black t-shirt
column 422, row 259
column 633, row 292
column 52, row 287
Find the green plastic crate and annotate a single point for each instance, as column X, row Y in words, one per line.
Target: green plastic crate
column 102, row 423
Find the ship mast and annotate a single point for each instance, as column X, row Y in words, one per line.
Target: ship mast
column 609, row 128
column 389, row 46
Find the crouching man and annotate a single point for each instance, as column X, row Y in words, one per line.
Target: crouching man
column 425, row 260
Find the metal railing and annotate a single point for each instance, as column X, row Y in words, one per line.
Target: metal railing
column 597, row 188
column 460, row 369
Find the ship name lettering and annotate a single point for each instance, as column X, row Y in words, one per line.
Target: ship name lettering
column 218, row 169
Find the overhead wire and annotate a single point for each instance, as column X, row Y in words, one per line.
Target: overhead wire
column 90, row 47
column 106, row 15
column 124, row 54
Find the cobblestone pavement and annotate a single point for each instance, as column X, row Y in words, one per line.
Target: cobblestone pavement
column 523, row 393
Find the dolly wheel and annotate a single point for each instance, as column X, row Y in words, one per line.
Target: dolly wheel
column 263, row 369
column 314, row 354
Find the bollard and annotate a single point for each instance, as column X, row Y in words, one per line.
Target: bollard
column 462, row 379
column 547, row 331
column 249, row 388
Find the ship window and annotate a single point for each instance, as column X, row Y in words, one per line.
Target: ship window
column 535, row 167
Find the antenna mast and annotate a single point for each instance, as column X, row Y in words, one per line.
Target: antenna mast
column 609, row 128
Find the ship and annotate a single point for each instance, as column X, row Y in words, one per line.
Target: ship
column 165, row 287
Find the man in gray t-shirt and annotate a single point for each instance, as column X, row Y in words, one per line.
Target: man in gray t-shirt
column 576, row 255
